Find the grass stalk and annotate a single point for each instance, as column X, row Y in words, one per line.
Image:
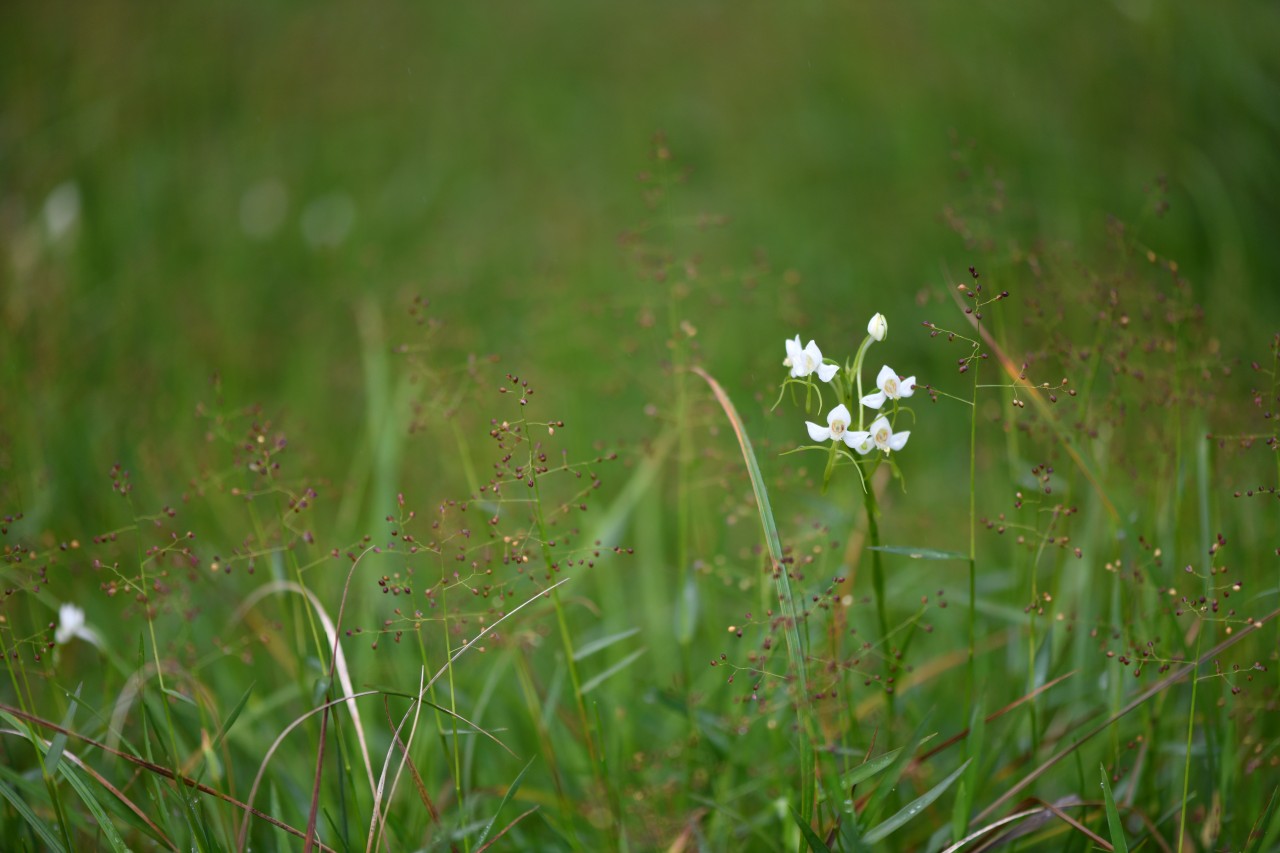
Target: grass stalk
column 795, row 650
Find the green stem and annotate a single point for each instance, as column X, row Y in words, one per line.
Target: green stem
column 877, row 568
column 973, row 543
column 856, row 402
column 1191, row 724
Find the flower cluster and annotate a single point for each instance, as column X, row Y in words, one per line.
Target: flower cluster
column 808, row 362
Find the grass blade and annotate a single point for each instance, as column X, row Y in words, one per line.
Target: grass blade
column 592, row 683
column 588, row 649
column 59, row 741
column 506, row 798
column 915, row 807
column 795, row 650
column 33, row 820
column 1166, row 682
column 811, row 838
column 1258, row 835
column 918, row 553
column 1113, row 816
column 867, row 769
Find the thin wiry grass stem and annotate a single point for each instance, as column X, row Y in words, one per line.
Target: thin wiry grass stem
column 1191, row 727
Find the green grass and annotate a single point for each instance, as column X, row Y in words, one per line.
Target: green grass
column 393, row 387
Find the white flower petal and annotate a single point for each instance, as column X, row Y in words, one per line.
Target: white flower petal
column 860, row 441
column 899, row 440
column 874, row 401
column 818, row 433
column 907, row 387
column 812, row 358
column 826, row 371
column 886, row 373
column 839, row 413
column 794, row 355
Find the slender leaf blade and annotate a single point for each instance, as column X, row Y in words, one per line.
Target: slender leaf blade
column 588, row 649
column 1258, row 835
column 593, row 683
column 919, row 553
column 869, row 768
column 915, row 807
column 1113, row 816
column 21, row 806
column 506, row 798
column 811, row 838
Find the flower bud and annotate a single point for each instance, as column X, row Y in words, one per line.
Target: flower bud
column 878, row 327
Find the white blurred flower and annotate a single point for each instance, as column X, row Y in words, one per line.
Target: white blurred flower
column 881, row 436
column 61, row 210
column 878, row 327
column 837, row 428
column 71, row 624
column 891, row 388
column 807, row 360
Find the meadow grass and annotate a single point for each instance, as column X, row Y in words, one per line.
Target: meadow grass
column 479, row 511
column 537, row 662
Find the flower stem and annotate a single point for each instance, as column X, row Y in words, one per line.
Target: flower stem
column 973, row 541
column 877, row 568
column 857, row 374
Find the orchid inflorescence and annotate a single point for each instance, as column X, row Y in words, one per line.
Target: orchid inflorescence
column 807, row 362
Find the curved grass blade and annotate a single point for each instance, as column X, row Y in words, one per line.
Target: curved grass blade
column 506, row 798
column 915, row 807
column 795, row 650
column 33, row 820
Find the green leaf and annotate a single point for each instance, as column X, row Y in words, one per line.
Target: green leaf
column 511, row 792
column 593, row 683
column 815, row 843
column 960, row 811
column 105, row 823
column 919, row 553
column 20, row 805
column 914, row 808
column 232, row 717
column 899, row 763
column 59, row 741
column 867, row 769
column 786, row 600
column 1258, row 835
column 687, row 612
column 588, row 649
column 1113, row 816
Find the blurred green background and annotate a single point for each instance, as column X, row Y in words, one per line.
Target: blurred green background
column 238, row 179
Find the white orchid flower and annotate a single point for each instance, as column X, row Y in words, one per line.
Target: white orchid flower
column 891, row 388
column 861, row 442
column 837, row 428
column 880, row 436
column 807, row 360
column 71, row 624
column 878, row 327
